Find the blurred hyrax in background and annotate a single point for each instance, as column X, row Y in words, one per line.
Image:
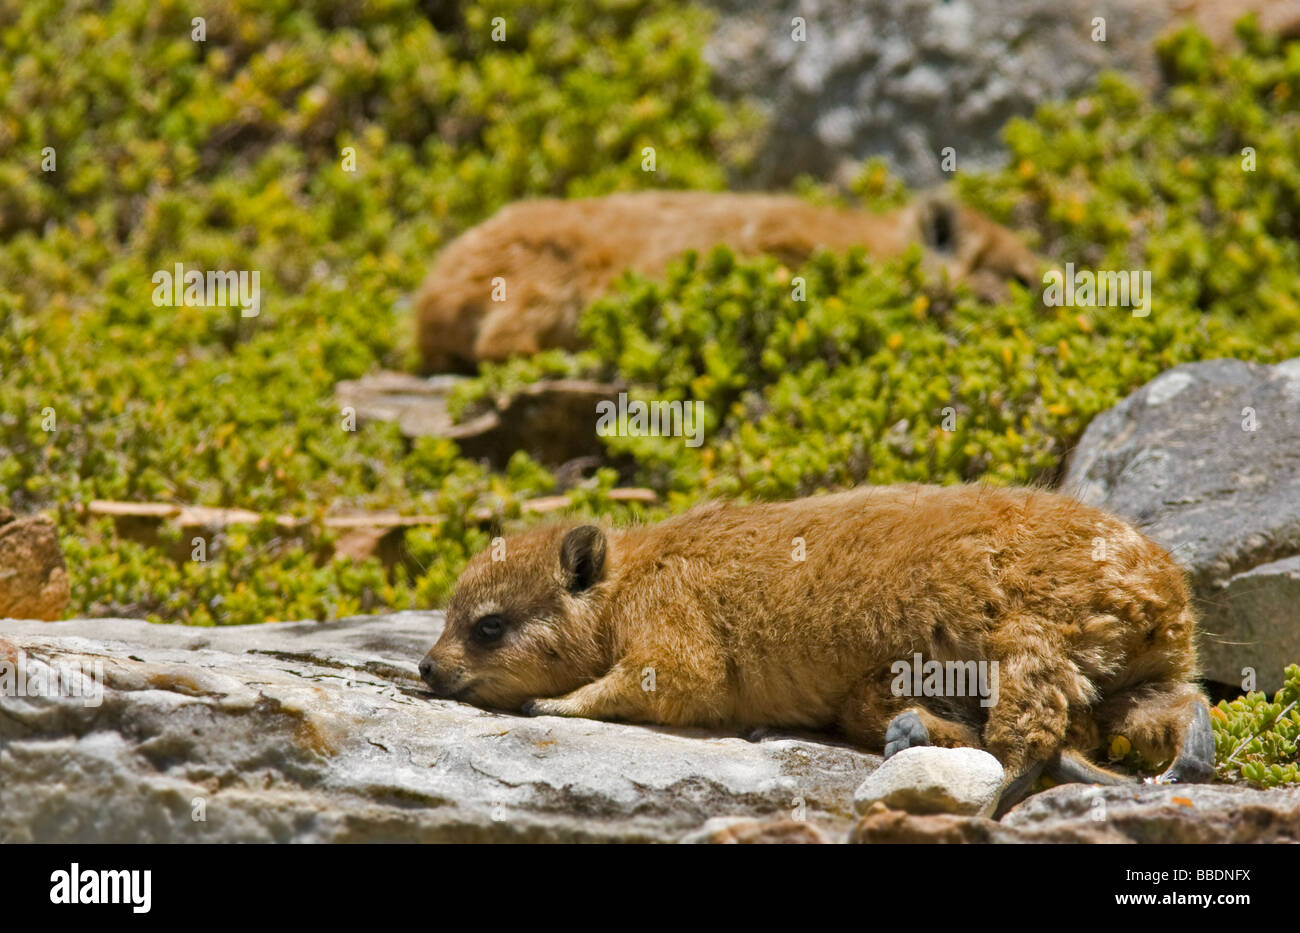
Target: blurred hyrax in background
column 551, row 258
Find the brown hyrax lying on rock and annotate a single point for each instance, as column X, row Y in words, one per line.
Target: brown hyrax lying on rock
column 799, row 614
column 517, row 283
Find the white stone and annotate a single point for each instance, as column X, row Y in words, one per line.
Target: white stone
column 928, row 779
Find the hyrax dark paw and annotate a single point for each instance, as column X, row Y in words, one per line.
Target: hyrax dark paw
column 544, row 707
column 532, row 708
column 906, row 731
column 1195, row 761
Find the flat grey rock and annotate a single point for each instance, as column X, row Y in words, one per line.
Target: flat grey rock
column 551, row 418
column 1159, row 813
column 322, row 732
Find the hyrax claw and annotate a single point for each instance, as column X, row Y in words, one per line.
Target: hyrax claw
column 1017, row 789
column 1195, row 761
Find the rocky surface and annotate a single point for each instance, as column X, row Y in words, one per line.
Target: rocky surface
column 553, row 419
column 323, row 732
column 743, row 830
column 33, row 580
column 316, row 732
column 905, row 78
column 418, row 406
column 967, row 781
column 1074, row 813
column 1206, row 460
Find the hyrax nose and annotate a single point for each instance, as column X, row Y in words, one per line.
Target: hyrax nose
column 429, row 671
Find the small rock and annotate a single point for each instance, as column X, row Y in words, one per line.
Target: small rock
column 882, row 825
column 33, row 580
column 728, row 830
column 928, row 779
column 553, row 419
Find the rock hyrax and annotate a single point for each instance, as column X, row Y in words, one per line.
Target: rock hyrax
column 518, row 282
column 810, row 614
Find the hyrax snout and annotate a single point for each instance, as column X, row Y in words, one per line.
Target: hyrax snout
column 1015, row 620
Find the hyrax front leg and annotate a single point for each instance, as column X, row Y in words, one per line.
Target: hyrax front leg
column 617, row 695
column 1163, row 721
column 1035, row 687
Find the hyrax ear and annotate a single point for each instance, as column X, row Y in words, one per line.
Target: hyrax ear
column 940, row 223
column 582, row 557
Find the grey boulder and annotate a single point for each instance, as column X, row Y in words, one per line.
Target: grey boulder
column 1205, row 459
column 905, row 79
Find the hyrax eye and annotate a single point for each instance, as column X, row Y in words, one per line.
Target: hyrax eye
column 489, row 628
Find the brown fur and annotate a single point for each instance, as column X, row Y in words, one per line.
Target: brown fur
column 557, row 256
column 741, row 635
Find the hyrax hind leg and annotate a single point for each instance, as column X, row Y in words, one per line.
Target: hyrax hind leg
column 874, row 717
column 1163, row 721
column 1029, row 722
column 1037, row 685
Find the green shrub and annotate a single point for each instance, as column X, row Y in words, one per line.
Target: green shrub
column 877, row 376
column 1118, row 179
column 1257, row 741
column 228, row 154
